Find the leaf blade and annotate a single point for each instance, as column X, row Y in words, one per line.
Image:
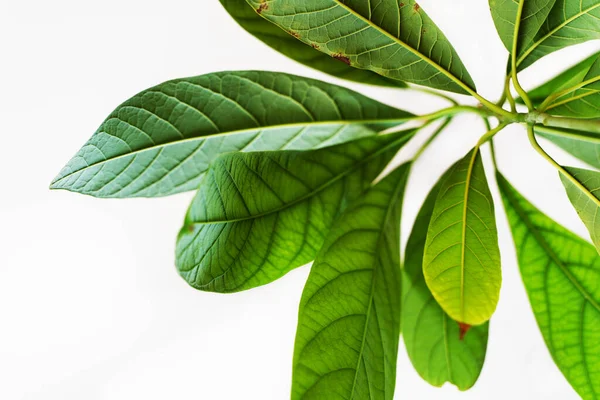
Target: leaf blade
column 288, row 45
column 583, row 145
column 585, row 199
column 561, row 272
column 356, row 301
column 426, row 325
column 161, row 141
column 259, row 215
column 504, row 14
column 567, row 24
column 369, row 36
column 462, row 259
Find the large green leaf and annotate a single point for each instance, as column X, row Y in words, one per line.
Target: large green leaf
column 291, row 47
column 569, row 22
column 394, row 39
column 433, row 340
column 563, row 81
column 259, row 215
column 579, row 89
column 561, row 272
column 504, row 13
column 583, row 145
column 585, row 198
column 161, row 141
column 349, row 321
column 462, row 261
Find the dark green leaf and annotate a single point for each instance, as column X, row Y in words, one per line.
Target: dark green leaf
column 561, row 272
column 504, row 13
column 569, row 22
column 432, row 338
column 349, row 322
column 462, row 260
column 585, row 199
column 291, row 47
column 583, row 145
column 394, row 39
column 161, row 141
column 259, row 215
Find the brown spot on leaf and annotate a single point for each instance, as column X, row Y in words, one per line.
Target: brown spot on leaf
column 417, row 7
column 262, row 7
column 342, row 58
column 401, row 4
column 464, row 328
column 314, row 46
column 294, row 34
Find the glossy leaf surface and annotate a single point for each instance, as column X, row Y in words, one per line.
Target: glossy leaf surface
column 161, row 141
column 561, row 272
column 288, row 45
column 569, row 22
column 259, row 215
column 349, row 321
column 462, row 260
column 431, row 337
column 394, row 39
column 585, row 199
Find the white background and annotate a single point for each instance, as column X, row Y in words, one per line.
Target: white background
column 91, row 306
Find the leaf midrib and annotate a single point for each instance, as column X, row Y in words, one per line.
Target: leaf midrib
column 546, row 247
column 388, row 212
column 311, row 193
column 553, row 31
column 230, row 133
column 407, row 47
column 464, row 232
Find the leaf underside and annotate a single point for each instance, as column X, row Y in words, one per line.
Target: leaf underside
column 585, row 146
column 288, row 45
column 561, row 272
column 161, row 141
column 462, row 260
column 504, row 13
column 586, row 202
column 569, row 22
column 349, row 321
column 432, row 338
column 259, row 215
column 394, row 39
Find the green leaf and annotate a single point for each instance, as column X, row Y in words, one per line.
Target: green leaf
column 569, row 22
column 583, row 145
column 162, row 141
column 561, row 272
column 563, row 81
column 584, row 198
column 259, row 215
column 349, row 321
column 289, row 46
column 462, row 260
column 432, row 338
column 504, row 13
column 574, row 93
column 394, row 39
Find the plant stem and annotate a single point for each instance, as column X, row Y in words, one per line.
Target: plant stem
column 508, row 95
column 434, row 135
column 587, row 125
column 558, row 167
column 513, row 58
column 491, row 133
